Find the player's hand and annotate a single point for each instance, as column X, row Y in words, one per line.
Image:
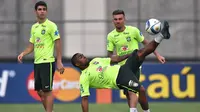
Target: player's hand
column 60, row 67
column 161, row 59
column 20, row 57
column 114, row 57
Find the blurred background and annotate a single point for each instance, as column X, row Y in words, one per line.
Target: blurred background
column 83, row 26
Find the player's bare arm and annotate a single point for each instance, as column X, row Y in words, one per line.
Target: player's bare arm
column 59, row 56
column 28, row 50
column 110, row 53
column 84, row 103
column 159, row 57
column 115, row 58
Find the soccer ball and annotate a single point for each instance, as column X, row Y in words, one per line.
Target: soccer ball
column 153, row 26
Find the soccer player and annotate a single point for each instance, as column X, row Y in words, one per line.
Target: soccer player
column 99, row 73
column 44, row 34
column 124, row 40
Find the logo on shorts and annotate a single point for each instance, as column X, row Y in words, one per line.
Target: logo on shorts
column 65, row 86
column 132, row 84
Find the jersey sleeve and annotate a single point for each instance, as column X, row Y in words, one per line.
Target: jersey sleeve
column 84, row 85
column 139, row 35
column 54, row 32
column 31, row 36
column 110, row 43
column 106, row 60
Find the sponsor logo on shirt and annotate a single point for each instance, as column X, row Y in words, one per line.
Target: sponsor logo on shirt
column 43, row 31
column 99, row 69
column 124, row 48
column 128, row 39
column 96, row 62
column 38, row 39
column 126, row 33
column 141, row 34
column 116, row 35
column 56, row 33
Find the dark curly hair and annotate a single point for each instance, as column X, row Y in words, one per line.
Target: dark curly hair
column 40, row 3
column 74, row 59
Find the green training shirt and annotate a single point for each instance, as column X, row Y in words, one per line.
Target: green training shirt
column 43, row 36
column 99, row 74
column 124, row 42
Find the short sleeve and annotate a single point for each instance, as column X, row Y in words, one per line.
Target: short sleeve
column 54, row 32
column 31, row 36
column 110, row 43
column 139, row 35
column 106, row 60
column 84, row 85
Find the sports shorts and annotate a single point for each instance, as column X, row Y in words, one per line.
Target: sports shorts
column 43, row 76
column 128, row 76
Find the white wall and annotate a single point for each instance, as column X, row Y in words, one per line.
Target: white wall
column 88, row 38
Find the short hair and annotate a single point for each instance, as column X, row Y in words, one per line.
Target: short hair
column 40, row 3
column 118, row 11
column 74, row 59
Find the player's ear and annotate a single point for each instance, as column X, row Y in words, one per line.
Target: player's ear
column 77, row 64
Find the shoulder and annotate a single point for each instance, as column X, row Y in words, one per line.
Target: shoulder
column 132, row 28
column 94, row 60
column 111, row 34
column 34, row 25
column 51, row 23
column 100, row 60
column 84, row 75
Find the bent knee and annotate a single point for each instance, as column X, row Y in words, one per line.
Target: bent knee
column 40, row 93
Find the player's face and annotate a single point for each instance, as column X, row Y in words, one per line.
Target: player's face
column 81, row 59
column 118, row 21
column 41, row 12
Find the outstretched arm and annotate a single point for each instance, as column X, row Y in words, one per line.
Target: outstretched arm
column 159, row 57
column 116, row 59
column 84, row 104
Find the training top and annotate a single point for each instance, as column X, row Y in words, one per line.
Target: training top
column 43, row 36
column 124, row 42
column 99, row 74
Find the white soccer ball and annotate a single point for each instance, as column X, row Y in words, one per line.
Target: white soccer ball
column 153, row 26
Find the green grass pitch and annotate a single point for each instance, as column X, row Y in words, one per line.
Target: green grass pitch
column 115, row 107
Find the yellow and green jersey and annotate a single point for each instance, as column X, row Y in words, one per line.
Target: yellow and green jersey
column 99, row 74
column 43, row 36
column 124, row 42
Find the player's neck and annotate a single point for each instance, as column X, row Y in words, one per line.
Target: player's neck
column 83, row 68
column 41, row 20
column 120, row 29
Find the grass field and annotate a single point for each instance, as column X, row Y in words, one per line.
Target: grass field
column 117, row 107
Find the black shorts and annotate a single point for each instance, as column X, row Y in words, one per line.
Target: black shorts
column 43, row 76
column 127, row 78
